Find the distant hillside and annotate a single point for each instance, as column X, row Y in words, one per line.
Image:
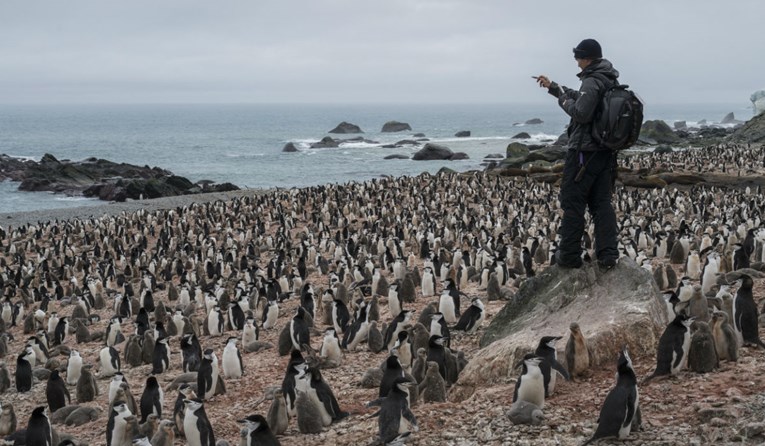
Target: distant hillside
column 752, row 131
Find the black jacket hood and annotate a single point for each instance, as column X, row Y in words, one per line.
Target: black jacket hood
column 601, row 67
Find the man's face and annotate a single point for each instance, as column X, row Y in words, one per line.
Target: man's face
column 583, row 63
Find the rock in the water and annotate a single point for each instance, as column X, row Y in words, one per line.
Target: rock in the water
column 459, row 156
column 621, row 306
column 326, row 143
column 658, row 131
column 395, row 126
column 433, row 152
column 730, row 118
column 346, row 127
column 516, row 149
column 522, row 135
column 290, row 147
column 534, row 121
column 462, row 134
column 397, row 156
column 680, row 125
column 662, row 149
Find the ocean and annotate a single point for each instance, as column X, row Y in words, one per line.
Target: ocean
column 242, row 144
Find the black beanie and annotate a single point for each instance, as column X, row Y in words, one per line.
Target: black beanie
column 588, row 49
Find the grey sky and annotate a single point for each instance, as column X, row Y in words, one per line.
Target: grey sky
column 459, row 51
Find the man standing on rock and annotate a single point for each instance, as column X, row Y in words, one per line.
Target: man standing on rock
column 590, row 170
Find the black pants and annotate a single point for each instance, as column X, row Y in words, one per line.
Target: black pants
column 593, row 190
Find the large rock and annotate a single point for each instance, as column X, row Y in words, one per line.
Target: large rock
column 459, row 156
column 516, row 149
column 290, row 148
column 397, row 156
column 730, row 118
column 752, row 131
column 613, row 308
column 462, row 134
column 395, row 126
column 658, row 131
column 758, row 101
column 326, row 143
column 346, row 127
column 534, row 121
column 433, row 152
column 522, row 135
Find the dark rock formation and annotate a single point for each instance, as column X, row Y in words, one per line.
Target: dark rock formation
column 549, row 154
column 397, row 156
column 462, row 134
column 534, row 121
column 290, row 147
column 522, row 135
column 99, row 178
column 433, row 152
column 346, row 127
column 459, row 156
column 680, row 125
column 662, row 149
column 515, row 149
column 730, row 118
column 326, row 143
column 395, row 126
column 658, row 131
column 418, row 135
column 752, row 131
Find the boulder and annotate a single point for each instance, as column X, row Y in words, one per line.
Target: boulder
column 433, row 152
column 346, row 127
column 680, row 125
column 622, row 306
column 658, row 131
column 446, row 170
column 290, row 147
column 522, row 135
column 515, row 149
column 662, row 150
column 326, row 143
column 549, row 153
column 418, row 135
column 753, row 131
column 397, row 156
column 534, row 121
column 729, row 119
column 462, row 134
column 494, row 156
column 758, row 101
column 395, row 126
column 459, row 156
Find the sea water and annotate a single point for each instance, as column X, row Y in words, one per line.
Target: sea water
column 242, row 143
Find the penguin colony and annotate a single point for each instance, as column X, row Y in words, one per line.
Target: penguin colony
column 397, row 270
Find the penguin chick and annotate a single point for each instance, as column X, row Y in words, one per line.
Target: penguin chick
column 86, row 389
column 277, row 417
column 621, row 405
column 375, row 340
column 433, row 388
column 7, row 419
column 726, row 341
column 702, row 356
column 165, row 434
column 577, row 353
column 258, row 432
column 523, row 412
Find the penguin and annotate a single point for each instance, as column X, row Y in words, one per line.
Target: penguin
column 740, row 257
column 270, row 314
column 403, row 348
column 236, row 317
column 277, row 416
column 395, row 417
column 549, row 365
column 622, row 404
column 232, row 360
column 577, row 353
column 110, row 361
column 152, row 399
column 39, row 431
column 745, row 313
column 702, row 356
column 191, row 353
column 142, row 322
column 207, row 376
column 437, row 354
column 215, row 322
column 698, row 308
column 726, row 341
column 38, row 345
column 299, row 333
column 428, row 283
column 290, row 379
column 185, row 392
column 114, row 332
column 134, row 351
column 530, row 384
column 56, row 392
column 472, row 317
column 394, row 301
column 86, row 389
column 8, row 420
column 525, row 413
column 375, row 339
column 420, row 364
column 330, row 347
column 197, row 427
column 62, row 331
column 5, row 379
column 161, row 360
column 432, row 389
column 438, row 327
column 446, row 307
column 165, row 434
column 116, row 427
column 24, row 371
column 528, row 265
column 250, row 332
column 358, row 332
column 397, row 325
column 672, row 351
column 329, row 405
column 258, row 432
column 73, row 368
column 340, row 316
column 52, row 319
column 309, row 411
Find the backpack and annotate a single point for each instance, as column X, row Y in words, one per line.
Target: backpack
column 618, row 118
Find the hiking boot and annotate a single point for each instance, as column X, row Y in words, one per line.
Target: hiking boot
column 607, row 263
column 568, row 265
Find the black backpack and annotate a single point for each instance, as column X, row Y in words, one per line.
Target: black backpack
column 618, row 118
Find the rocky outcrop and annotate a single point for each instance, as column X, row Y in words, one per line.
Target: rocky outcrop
column 462, row 134
column 433, row 152
column 758, row 101
column 753, row 131
column 658, row 131
column 395, row 126
column 290, row 148
column 730, row 118
column 397, row 156
column 326, row 143
column 459, row 156
column 534, row 121
column 522, row 135
column 346, row 127
column 619, row 307
column 100, row 178
column 549, row 154
column 516, row 149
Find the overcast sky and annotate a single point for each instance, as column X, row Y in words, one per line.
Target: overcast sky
column 413, row 51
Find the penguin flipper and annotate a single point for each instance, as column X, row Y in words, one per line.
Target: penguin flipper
column 376, row 403
column 630, row 409
column 558, row 367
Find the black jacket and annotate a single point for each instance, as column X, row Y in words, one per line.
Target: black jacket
column 581, row 105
